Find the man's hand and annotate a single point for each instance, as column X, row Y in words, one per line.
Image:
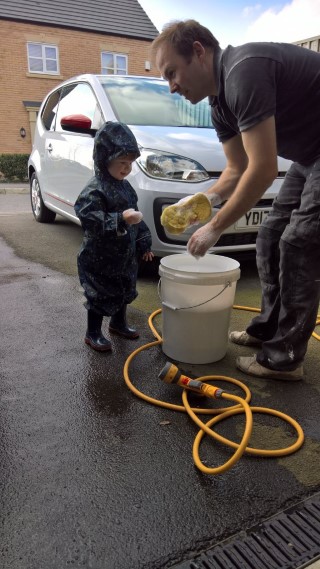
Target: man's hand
column 202, row 240
column 214, row 199
column 131, row 216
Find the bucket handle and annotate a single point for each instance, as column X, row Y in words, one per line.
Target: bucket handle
column 228, row 283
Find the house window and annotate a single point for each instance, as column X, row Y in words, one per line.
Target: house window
column 114, row 63
column 43, row 58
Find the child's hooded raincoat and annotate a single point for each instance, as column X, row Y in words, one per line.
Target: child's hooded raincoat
column 107, row 260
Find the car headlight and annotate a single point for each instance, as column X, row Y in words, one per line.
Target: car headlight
column 168, row 166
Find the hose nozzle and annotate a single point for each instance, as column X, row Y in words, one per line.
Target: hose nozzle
column 171, row 374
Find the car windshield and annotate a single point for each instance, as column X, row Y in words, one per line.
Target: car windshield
column 146, row 101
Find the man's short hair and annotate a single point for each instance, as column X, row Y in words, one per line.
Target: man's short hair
column 181, row 35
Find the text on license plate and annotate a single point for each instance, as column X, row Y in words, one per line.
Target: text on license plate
column 252, row 218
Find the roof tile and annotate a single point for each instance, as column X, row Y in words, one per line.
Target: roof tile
column 112, row 17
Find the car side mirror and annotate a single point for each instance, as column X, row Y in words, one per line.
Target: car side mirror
column 78, row 123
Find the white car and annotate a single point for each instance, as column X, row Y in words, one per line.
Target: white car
column 180, row 154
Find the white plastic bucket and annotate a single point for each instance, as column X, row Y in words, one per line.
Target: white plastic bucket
column 197, row 298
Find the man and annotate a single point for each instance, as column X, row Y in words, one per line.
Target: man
column 265, row 100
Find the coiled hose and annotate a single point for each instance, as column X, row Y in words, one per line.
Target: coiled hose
column 241, row 406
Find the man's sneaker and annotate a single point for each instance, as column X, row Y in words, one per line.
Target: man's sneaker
column 244, row 339
column 250, row 366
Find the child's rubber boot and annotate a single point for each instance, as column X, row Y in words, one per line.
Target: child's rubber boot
column 94, row 337
column 118, row 325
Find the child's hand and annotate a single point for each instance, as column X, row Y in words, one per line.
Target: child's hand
column 148, row 256
column 132, row 216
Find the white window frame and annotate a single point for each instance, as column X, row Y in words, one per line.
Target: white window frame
column 43, row 58
column 115, row 66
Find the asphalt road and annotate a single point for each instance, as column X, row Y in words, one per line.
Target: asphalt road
column 92, row 476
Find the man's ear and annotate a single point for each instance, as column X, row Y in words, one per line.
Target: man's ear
column 198, row 49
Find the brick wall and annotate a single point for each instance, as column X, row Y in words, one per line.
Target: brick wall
column 79, row 52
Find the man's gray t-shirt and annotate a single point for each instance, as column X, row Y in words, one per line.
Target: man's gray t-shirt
column 260, row 80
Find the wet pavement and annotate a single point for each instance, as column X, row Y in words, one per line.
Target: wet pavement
column 92, row 476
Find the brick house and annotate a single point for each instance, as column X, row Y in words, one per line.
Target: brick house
column 44, row 42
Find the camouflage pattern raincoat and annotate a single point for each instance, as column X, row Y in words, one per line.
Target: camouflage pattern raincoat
column 108, row 257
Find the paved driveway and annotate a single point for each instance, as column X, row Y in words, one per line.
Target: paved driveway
column 93, row 476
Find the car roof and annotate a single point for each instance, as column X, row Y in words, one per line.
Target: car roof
column 93, row 76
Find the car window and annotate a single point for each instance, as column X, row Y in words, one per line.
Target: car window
column 49, row 111
column 144, row 101
column 78, row 98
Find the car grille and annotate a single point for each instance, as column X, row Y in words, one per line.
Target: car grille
column 226, row 240
column 216, row 174
column 235, row 239
column 266, row 202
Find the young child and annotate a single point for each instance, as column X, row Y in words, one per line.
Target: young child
column 114, row 235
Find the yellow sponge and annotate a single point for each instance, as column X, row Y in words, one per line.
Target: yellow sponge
column 176, row 218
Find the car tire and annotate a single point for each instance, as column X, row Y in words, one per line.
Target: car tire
column 40, row 211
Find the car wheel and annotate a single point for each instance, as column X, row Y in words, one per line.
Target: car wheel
column 39, row 210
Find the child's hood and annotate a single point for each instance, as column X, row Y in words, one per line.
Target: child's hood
column 112, row 140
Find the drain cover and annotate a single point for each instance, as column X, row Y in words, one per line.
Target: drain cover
column 288, row 540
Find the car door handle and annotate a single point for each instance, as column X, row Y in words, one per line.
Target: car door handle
column 50, row 147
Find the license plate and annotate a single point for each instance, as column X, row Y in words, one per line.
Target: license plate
column 252, row 219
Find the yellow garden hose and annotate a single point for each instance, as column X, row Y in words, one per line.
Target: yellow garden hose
column 241, row 406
